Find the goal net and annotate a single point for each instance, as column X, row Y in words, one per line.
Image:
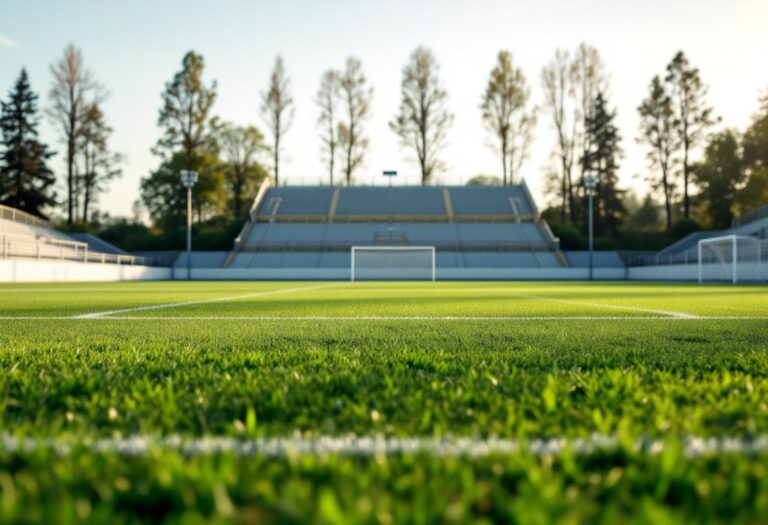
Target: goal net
column 733, row 258
column 407, row 263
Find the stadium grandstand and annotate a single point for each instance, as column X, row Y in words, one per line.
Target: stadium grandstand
column 469, row 227
column 24, row 236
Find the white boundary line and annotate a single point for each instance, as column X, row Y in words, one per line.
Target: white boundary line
column 368, row 446
column 111, row 313
column 382, row 318
column 669, row 313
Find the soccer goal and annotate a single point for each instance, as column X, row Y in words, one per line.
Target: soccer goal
column 733, row 258
column 407, row 263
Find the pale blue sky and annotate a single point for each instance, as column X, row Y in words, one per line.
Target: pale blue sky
column 135, row 46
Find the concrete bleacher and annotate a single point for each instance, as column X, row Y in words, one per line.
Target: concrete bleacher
column 24, row 236
column 404, row 201
column 470, row 227
column 491, row 200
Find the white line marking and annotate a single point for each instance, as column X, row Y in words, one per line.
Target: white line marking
column 352, row 445
column 112, row 313
column 385, row 318
column 680, row 315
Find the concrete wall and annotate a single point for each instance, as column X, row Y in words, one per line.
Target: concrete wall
column 26, row 271
column 447, row 274
column 690, row 272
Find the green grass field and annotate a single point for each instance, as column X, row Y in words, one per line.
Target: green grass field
column 485, row 402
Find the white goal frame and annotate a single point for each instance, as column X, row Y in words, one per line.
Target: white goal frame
column 355, row 249
column 734, row 254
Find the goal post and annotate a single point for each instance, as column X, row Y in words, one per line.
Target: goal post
column 379, row 263
column 732, row 258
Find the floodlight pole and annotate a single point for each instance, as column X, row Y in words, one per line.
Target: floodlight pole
column 389, row 174
column 590, row 181
column 188, row 179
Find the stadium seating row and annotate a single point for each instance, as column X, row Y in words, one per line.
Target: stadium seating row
column 403, row 201
column 287, row 235
column 466, row 259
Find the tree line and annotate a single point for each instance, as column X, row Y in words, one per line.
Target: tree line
column 232, row 160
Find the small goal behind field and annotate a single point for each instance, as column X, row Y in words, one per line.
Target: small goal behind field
column 395, row 263
column 733, row 258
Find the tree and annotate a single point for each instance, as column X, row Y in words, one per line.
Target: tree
column 74, row 89
column 601, row 158
column 693, row 115
column 99, row 164
column 328, row 100
column 588, row 78
column 356, row 99
column 719, row 175
column 241, row 147
column 423, row 120
column 277, row 109
column 187, row 143
column 484, row 180
column 185, row 116
column 646, row 217
column 166, row 199
column 25, row 179
column 755, row 158
column 506, row 115
column 658, row 131
column 559, row 101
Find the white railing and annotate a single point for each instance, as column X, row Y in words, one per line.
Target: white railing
column 14, row 246
column 12, row 214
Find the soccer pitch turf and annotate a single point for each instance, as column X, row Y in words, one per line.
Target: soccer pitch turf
column 251, row 402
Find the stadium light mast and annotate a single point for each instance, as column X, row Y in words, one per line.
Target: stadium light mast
column 590, row 181
column 390, row 174
column 188, row 180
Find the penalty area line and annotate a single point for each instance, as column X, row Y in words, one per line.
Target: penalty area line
column 110, row 313
column 370, row 446
column 668, row 313
column 381, row 318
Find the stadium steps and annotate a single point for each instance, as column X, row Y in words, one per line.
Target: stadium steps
column 334, row 204
column 245, row 233
column 448, row 204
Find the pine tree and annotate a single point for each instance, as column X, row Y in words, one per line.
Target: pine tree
column 25, row 179
column 601, row 158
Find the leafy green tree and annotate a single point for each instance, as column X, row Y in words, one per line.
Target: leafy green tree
column 99, row 164
column 25, row 179
column 327, row 99
column 755, row 158
column 719, row 175
column 356, row 98
column 241, row 146
column 506, row 115
column 692, row 114
column 658, row 132
column 277, row 109
column 166, row 199
column 601, row 158
column 187, row 143
column 646, row 217
column 484, row 180
column 423, row 119
column 185, row 116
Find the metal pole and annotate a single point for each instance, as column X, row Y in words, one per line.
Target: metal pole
column 189, row 233
column 590, row 237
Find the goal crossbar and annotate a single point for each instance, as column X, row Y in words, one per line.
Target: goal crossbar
column 385, row 259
